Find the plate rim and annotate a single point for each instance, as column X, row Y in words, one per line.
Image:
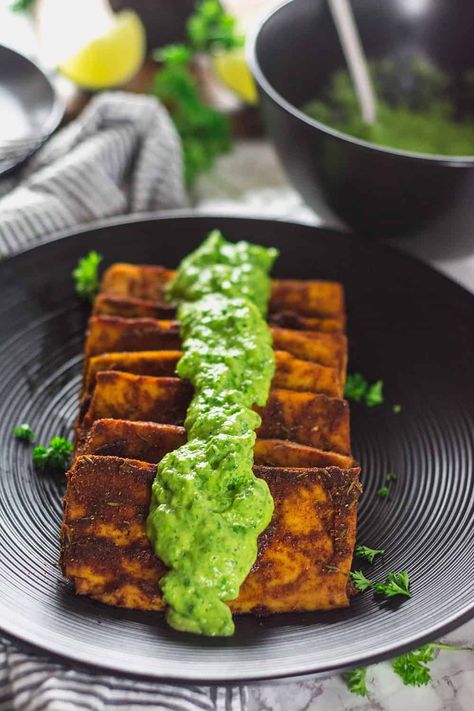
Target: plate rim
column 298, row 671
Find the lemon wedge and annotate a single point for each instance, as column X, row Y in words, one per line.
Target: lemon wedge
column 233, row 71
column 111, row 59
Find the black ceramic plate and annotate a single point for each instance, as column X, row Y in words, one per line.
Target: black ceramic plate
column 407, row 324
column 28, row 103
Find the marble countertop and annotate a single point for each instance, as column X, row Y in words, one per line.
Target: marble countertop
column 250, row 181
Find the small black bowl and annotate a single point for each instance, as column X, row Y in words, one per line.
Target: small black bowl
column 378, row 191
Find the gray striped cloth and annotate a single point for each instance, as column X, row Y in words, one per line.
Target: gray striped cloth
column 121, row 156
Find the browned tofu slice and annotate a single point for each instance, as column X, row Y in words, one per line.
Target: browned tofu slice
column 150, row 441
column 146, row 441
column 290, row 372
column 304, row 555
column 130, row 307
column 140, row 281
column 283, row 453
column 311, row 298
column 157, row 363
column 125, row 396
column 328, row 349
column 315, row 420
column 109, row 334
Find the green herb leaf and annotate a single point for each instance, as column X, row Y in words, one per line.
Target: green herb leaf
column 383, row 492
column 374, row 395
column 24, row 432
column 397, row 409
column 391, row 476
column 412, row 667
column 357, row 389
column 210, row 28
column 368, row 554
column 359, row 580
column 22, row 5
column 86, row 276
column 55, row 457
column 356, row 681
column 395, row 584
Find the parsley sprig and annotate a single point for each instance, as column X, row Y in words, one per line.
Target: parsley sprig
column 384, row 490
column 356, row 681
column 210, row 28
column 395, row 584
column 86, row 276
column 24, row 433
column 412, row 667
column 368, row 554
column 55, row 456
column 357, row 388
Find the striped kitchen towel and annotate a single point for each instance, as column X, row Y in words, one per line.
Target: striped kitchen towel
column 122, row 155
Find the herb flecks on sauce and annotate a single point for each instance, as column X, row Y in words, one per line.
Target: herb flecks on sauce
column 208, row 508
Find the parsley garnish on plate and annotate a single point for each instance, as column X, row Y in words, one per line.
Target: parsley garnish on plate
column 384, row 491
column 86, row 276
column 55, row 456
column 356, row 681
column 24, row 432
column 368, row 554
column 359, row 581
column 357, row 388
column 395, row 584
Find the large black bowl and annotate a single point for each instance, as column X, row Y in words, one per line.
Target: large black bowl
column 378, row 191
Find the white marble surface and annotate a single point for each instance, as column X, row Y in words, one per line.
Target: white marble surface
column 251, row 182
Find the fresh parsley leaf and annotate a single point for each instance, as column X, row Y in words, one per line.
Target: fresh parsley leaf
column 383, row 492
column 412, row 667
column 357, row 388
column 395, row 584
column 24, row 432
column 374, row 394
column 397, row 409
column 55, row 456
column 368, row 554
column 210, row 28
column 359, row 580
column 86, row 276
column 356, row 681
column 391, row 476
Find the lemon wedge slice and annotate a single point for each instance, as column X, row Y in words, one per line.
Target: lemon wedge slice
column 233, row 71
column 111, row 59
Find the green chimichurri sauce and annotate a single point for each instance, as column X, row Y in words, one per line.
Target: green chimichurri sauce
column 422, row 120
column 207, row 508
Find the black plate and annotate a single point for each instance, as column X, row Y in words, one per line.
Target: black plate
column 29, row 104
column 407, row 324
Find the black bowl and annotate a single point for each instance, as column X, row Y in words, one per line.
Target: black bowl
column 376, row 190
